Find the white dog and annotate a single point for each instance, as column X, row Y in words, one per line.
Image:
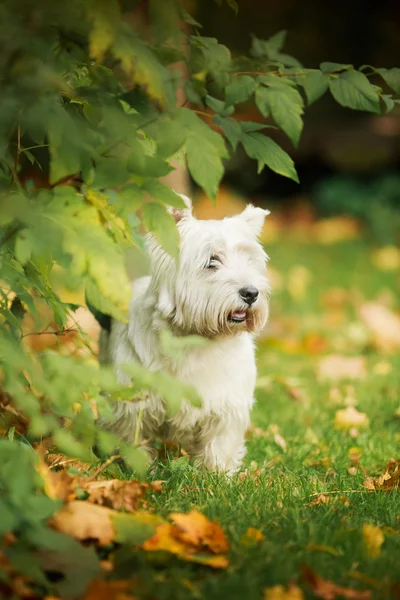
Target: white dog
column 218, row 290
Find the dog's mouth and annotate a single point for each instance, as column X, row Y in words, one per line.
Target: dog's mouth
column 239, row 316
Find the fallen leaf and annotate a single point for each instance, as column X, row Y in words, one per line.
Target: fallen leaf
column 320, row 500
column 328, row 590
column 388, row 481
column 279, row 592
column 350, row 417
column 299, row 279
column 196, row 529
column 84, row 521
column 387, row 258
column 252, row 537
column 120, row 495
column 322, row 548
column 336, row 229
column 383, row 324
column 382, row 368
column 336, row 366
column 373, row 539
column 109, row 590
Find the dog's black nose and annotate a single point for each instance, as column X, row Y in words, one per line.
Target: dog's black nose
column 249, row 294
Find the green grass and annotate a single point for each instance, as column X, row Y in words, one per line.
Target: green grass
column 279, row 501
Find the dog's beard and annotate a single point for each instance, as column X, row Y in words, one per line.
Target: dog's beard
column 229, row 318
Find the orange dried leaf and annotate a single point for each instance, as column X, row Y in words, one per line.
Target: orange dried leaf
column 328, row 590
column 383, row 324
column 251, row 537
column 349, row 418
column 194, row 528
column 109, row 590
column 279, row 592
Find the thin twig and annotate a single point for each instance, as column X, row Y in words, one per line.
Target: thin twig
column 57, row 333
column 274, row 73
column 332, row 492
column 17, row 154
column 103, row 466
column 138, row 424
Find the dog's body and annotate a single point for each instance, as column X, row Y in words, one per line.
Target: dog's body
column 217, row 290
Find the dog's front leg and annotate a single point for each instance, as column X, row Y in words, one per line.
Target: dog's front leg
column 224, row 452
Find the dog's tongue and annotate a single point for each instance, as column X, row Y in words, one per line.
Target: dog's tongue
column 239, row 315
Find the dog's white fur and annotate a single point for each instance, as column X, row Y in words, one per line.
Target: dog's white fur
column 192, row 296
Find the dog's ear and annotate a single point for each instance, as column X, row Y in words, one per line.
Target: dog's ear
column 181, row 213
column 254, row 217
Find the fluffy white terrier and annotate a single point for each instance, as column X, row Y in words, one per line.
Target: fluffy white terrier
column 217, row 289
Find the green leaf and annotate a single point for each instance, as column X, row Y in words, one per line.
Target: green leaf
column 231, row 129
column 248, row 126
column 136, row 459
column 353, row 90
column 204, row 148
column 110, row 172
column 391, row 77
column 129, row 199
column 105, row 16
column 315, row 84
column 139, row 62
column 68, row 444
column 389, row 102
column 331, row 67
column 64, row 160
column 218, row 106
column 160, row 192
column 240, row 89
column 267, row 152
column 269, row 47
column 170, row 137
column 164, row 19
column 104, row 305
column 23, row 247
column 285, row 105
column 135, row 528
column 161, row 224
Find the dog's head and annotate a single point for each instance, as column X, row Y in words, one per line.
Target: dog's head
column 218, row 286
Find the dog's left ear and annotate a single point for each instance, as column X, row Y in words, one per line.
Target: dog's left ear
column 182, row 213
column 254, row 217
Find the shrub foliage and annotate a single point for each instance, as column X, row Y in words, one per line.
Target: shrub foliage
column 89, row 123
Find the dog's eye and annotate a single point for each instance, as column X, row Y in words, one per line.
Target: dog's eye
column 213, row 263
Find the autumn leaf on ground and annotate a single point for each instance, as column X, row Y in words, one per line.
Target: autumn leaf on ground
column 109, row 590
column 120, row 495
column 383, row 324
column 388, row 481
column 349, row 418
column 279, row 592
column 336, row 229
column 336, row 366
column 251, row 537
column 87, row 521
column 192, row 537
column 328, row 590
column 387, row 258
column 373, row 539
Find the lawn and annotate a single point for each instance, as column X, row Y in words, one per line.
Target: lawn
column 303, row 483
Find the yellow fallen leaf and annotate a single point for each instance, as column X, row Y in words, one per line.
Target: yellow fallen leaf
column 299, row 279
column 109, row 590
column 383, row 324
column 83, row 521
column 279, row 592
column 336, row 229
column 373, row 539
column 349, row 418
column 382, row 368
column 336, row 366
column 387, row 258
column 251, row 537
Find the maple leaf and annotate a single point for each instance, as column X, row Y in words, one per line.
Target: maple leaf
column 328, row 590
column 373, row 540
column 336, row 366
column 120, row 495
column 279, row 592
